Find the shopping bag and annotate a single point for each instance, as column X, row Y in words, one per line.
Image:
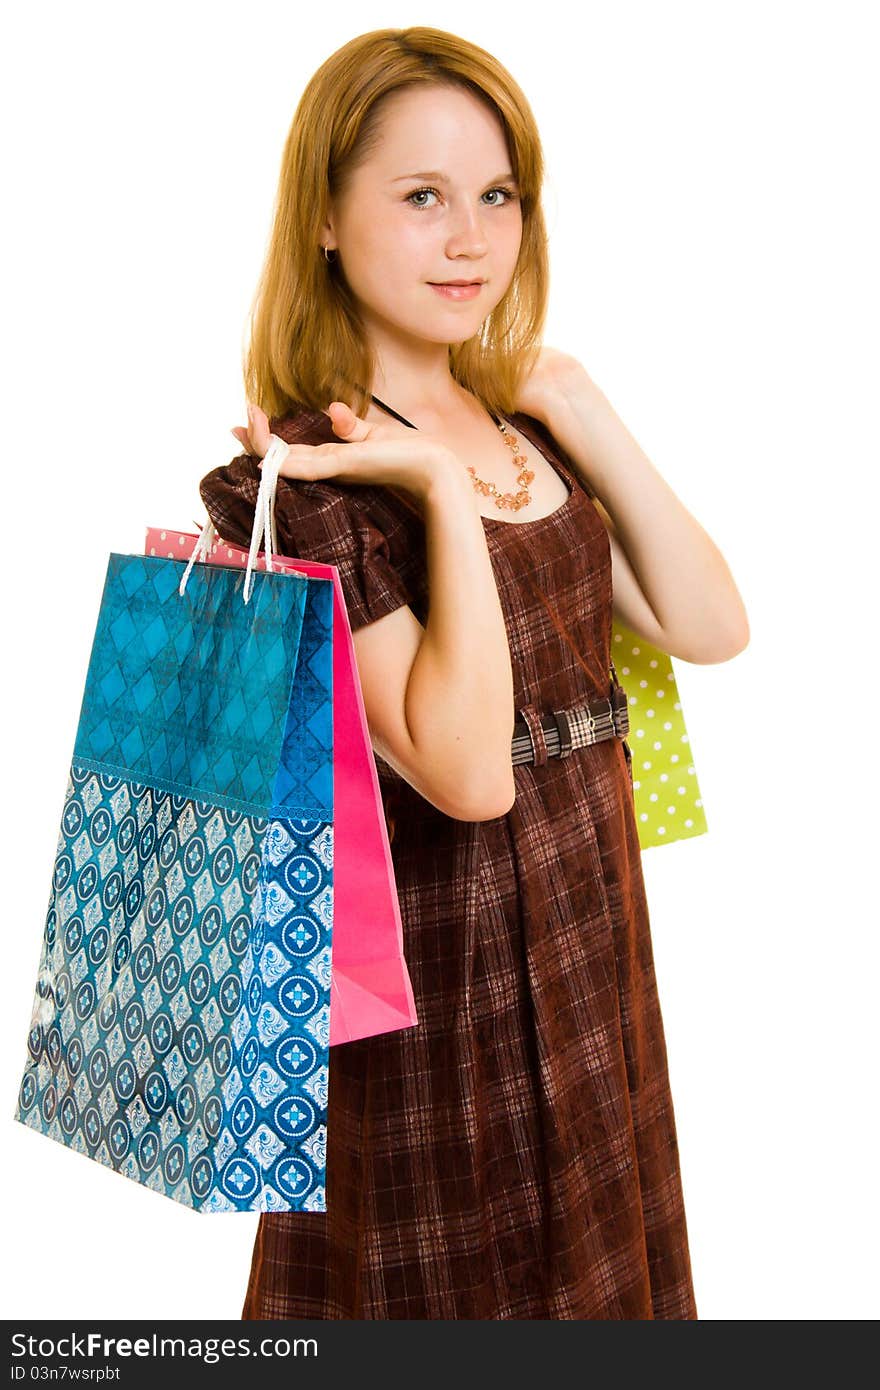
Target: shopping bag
column 371, row 991
column 666, row 791
column 181, row 1022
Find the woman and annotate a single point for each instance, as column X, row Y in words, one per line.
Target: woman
column 514, row 1154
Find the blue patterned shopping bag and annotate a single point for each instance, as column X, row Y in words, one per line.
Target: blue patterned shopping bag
column 180, row 1025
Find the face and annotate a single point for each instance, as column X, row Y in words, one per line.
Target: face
column 399, row 232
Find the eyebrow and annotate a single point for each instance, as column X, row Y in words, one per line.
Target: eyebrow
column 439, row 177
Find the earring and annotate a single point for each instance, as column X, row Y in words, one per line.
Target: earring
column 330, row 259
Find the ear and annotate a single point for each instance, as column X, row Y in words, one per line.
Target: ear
column 327, row 233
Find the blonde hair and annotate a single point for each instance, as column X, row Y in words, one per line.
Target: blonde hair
column 307, row 345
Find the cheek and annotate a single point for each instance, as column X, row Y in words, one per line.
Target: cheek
column 415, row 245
column 514, row 238
column 394, row 267
column 390, row 252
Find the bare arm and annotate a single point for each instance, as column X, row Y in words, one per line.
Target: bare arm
column 672, row 585
column 439, row 699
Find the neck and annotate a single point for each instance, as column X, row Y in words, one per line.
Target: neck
column 429, row 406
column 415, row 379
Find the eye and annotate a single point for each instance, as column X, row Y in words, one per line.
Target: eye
column 508, row 194
column 417, row 194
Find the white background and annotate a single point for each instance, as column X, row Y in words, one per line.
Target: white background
column 714, row 233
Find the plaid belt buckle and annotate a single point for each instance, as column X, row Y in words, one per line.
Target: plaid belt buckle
column 601, row 722
column 591, row 723
column 620, row 711
column 563, row 728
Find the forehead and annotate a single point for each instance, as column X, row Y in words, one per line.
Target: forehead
column 437, row 128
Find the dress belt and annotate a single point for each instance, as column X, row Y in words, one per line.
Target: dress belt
column 566, row 729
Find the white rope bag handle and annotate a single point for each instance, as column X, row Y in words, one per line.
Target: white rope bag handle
column 264, row 520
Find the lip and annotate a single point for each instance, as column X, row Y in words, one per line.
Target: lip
column 469, row 290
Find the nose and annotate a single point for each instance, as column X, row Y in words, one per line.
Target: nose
column 467, row 234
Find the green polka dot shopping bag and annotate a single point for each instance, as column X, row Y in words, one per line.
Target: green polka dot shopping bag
column 666, row 792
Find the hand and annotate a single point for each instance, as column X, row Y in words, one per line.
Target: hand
column 368, row 451
column 554, row 372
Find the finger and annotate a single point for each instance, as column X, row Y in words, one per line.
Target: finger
column 346, row 424
column 259, row 429
column 311, row 462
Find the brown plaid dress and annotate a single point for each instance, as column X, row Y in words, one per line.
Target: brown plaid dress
column 514, row 1155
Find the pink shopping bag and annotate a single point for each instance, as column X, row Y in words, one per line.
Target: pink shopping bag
column 370, row 987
